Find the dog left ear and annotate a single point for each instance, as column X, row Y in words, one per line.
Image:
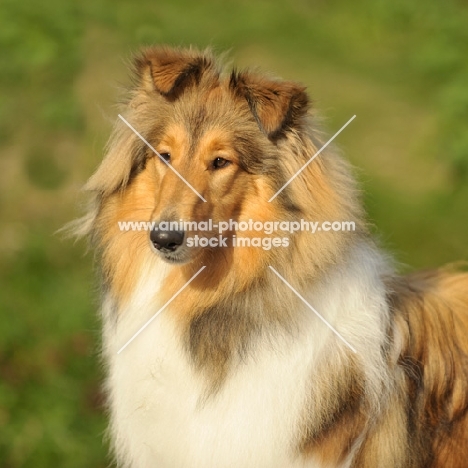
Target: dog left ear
column 276, row 105
column 169, row 70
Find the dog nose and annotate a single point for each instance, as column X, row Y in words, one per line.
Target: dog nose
column 167, row 240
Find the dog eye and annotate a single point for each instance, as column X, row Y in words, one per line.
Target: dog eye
column 219, row 163
column 165, row 156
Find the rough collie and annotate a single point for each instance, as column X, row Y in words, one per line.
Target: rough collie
column 307, row 351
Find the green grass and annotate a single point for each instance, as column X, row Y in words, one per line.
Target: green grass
column 398, row 64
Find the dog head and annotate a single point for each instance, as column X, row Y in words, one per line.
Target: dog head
column 208, row 145
column 197, row 144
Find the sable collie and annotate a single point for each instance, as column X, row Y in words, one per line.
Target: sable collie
column 311, row 353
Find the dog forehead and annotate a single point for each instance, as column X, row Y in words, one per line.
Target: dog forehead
column 216, row 111
column 205, row 107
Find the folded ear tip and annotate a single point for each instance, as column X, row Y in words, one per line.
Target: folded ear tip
column 301, row 98
column 167, row 69
column 276, row 105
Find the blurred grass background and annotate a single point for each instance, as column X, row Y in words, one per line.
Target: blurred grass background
column 400, row 65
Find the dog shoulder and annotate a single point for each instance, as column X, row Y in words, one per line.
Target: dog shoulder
column 431, row 312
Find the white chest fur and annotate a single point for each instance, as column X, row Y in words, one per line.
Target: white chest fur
column 159, row 416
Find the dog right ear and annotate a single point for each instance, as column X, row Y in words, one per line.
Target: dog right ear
column 276, row 105
column 169, row 71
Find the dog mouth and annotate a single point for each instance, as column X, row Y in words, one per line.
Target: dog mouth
column 178, row 256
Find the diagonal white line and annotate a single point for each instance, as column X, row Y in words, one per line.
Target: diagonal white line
column 312, row 158
column 160, row 157
column 161, row 309
column 313, row 310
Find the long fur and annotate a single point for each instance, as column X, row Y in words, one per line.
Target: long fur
column 237, row 371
